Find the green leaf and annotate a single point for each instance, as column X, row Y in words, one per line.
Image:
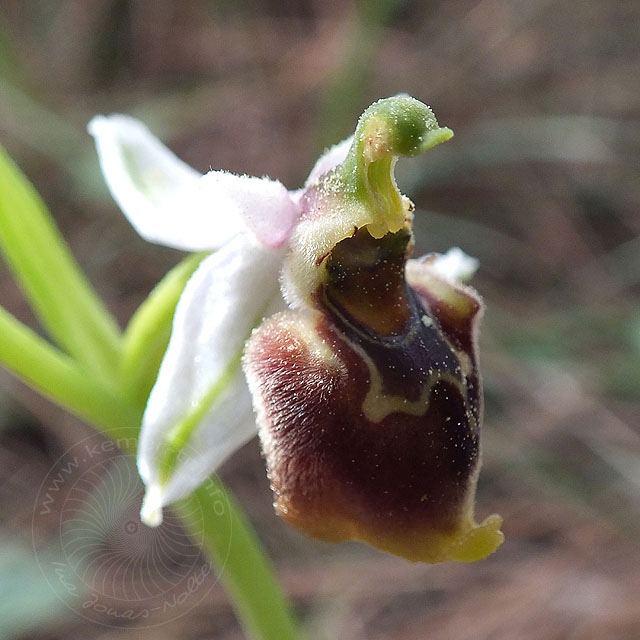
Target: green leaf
column 147, row 335
column 65, row 381
column 60, row 295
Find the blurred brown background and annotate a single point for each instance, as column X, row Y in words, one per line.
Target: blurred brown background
column 541, row 183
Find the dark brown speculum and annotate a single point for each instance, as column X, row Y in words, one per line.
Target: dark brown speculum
column 406, row 463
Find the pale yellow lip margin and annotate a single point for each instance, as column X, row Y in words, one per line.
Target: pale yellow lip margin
column 469, row 542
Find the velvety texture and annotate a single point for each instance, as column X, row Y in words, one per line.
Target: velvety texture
column 369, row 406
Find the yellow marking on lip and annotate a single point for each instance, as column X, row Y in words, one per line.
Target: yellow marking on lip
column 377, row 404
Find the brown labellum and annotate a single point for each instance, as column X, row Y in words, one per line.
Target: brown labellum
column 369, row 406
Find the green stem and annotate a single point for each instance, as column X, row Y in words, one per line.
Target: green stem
column 246, row 573
column 63, row 380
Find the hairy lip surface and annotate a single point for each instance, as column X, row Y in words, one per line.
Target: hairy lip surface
column 370, row 435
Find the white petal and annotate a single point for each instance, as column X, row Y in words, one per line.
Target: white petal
column 161, row 196
column 265, row 206
column 330, row 159
column 200, row 378
column 455, row 265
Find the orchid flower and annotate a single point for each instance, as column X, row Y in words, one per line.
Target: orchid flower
column 366, row 388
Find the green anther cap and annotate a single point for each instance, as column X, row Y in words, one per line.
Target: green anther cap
column 395, row 127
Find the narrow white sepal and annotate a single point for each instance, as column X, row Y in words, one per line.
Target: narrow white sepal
column 163, row 198
column 228, row 295
column 169, row 203
column 455, row 265
column 152, row 503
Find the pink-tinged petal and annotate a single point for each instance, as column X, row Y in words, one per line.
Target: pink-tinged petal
column 199, row 410
column 162, row 197
column 331, row 158
column 265, row 206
